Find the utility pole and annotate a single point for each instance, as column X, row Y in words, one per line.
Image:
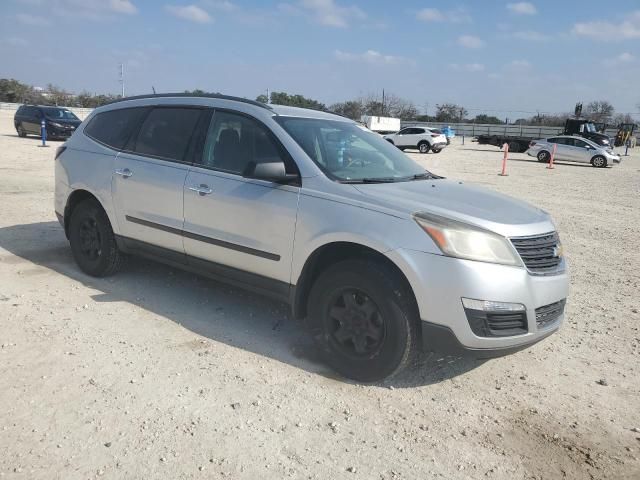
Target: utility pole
column 382, row 102
column 122, row 78
column 268, row 97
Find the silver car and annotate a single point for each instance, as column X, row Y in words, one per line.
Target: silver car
column 380, row 256
column 572, row 149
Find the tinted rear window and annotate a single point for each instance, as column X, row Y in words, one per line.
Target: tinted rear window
column 167, row 131
column 114, row 128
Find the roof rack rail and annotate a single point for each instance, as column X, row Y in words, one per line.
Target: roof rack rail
column 194, row 95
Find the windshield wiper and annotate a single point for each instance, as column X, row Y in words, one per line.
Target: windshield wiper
column 372, row 180
column 424, row 176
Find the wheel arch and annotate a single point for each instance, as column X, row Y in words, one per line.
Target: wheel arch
column 74, row 199
column 329, row 254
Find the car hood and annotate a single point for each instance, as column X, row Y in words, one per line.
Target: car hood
column 456, row 200
column 64, row 121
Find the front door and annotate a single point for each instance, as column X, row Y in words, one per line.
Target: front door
column 234, row 221
column 148, row 181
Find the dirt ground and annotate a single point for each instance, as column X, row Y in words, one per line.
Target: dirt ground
column 156, row 373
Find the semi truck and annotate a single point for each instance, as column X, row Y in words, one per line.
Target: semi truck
column 573, row 126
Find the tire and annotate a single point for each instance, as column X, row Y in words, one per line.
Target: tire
column 93, row 243
column 21, row 131
column 424, row 147
column 363, row 320
column 514, row 147
column 436, row 150
column 599, row 161
column 544, row 156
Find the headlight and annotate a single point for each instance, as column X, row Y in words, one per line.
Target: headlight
column 54, row 124
column 461, row 240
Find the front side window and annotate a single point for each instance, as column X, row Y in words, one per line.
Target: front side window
column 235, row 143
column 113, row 128
column 166, row 132
column 348, row 153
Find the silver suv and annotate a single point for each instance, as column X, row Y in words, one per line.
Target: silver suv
column 378, row 255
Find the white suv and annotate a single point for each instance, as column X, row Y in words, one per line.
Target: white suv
column 420, row 138
column 377, row 254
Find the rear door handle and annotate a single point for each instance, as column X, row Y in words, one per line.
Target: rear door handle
column 124, row 172
column 202, row 189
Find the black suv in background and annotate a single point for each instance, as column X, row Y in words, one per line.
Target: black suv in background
column 60, row 122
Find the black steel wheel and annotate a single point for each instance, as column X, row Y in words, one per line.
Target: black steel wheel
column 355, row 324
column 363, row 318
column 92, row 240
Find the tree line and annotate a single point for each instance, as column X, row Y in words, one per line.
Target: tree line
column 13, row 91
column 373, row 104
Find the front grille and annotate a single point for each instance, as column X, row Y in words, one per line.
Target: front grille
column 539, row 253
column 497, row 324
column 548, row 314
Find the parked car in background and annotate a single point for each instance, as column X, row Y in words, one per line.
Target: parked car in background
column 60, row 122
column 422, row 138
column 570, row 148
column 378, row 255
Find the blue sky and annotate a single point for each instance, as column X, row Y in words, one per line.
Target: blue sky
column 502, row 57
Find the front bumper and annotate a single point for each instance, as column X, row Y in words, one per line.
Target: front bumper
column 57, row 132
column 439, row 283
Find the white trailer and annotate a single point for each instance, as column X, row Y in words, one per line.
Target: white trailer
column 381, row 124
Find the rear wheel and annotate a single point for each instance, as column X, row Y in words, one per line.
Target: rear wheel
column 21, row 131
column 93, row 243
column 544, row 156
column 436, row 150
column 423, row 147
column 362, row 320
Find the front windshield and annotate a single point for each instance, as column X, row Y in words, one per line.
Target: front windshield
column 349, row 153
column 589, row 127
column 59, row 114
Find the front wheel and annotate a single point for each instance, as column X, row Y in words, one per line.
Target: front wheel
column 363, row 320
column 93, row 243
column 599, row 161
column 436, row 150
column 423, row 147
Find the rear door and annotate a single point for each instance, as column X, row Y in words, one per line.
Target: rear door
column 562, row 150
column 242, row 223
column 149, row 176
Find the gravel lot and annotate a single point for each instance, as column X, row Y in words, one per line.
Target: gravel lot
column 156, row 373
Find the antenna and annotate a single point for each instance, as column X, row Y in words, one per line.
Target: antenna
column 154, row 89
column 122, row 78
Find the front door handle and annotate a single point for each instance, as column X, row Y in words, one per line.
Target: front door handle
column 124, row 172
column 202, row 189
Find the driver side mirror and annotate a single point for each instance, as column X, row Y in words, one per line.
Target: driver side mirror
column 275, row 172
